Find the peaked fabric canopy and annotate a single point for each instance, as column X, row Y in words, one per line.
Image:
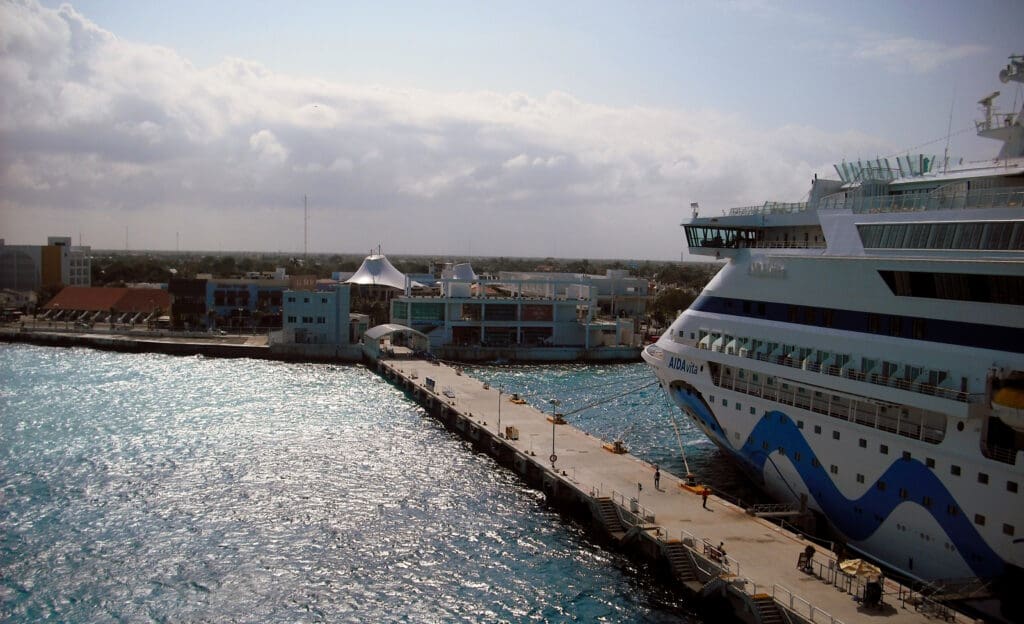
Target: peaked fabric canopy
column 377, row 270
column 463, row 272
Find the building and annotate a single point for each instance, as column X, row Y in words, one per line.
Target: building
column 87, row 304
column 317, row 317
column 320, row 324
column 188, row 303
column 31, row 267
column 253, row 302
column 532, row 316
column 75, row 262
column 618, row 294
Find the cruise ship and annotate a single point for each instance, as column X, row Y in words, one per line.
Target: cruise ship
column 861, row 354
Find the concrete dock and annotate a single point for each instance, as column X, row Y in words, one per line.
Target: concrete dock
column 758, row 575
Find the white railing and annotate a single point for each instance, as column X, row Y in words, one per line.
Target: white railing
column 768, row 208
column 939, row 199
column 802, row 607
column 837, row 371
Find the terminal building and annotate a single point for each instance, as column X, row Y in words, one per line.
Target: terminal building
column 528, row 316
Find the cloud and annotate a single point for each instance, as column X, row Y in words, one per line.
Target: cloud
column 916, row 55
column 98, row 134
column 266, row 146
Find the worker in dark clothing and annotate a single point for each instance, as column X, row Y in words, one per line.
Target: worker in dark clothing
column 657, row 477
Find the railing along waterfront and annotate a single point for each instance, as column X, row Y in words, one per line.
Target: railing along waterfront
column 940, row 199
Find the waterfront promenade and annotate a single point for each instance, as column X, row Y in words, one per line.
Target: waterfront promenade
column 761, row 559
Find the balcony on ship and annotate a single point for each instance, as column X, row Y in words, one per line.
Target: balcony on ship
column 901, row 376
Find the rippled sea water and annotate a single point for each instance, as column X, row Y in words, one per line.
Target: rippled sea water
column 147, row 487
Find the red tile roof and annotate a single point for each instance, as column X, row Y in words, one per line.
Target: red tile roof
column 103, row 299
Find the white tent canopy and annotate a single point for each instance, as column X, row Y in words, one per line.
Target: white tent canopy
column 377, row 270
column 462, row 272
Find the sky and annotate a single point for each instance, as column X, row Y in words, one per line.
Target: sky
column 566, row 129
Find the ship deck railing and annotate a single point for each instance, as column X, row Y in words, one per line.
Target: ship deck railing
column 768, row 208
column 872, row 378
column 911, row 424
column 942, row 198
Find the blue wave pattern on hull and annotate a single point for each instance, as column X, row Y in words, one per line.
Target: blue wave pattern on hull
column 779, row 430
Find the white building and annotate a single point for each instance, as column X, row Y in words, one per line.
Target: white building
column 75, row 263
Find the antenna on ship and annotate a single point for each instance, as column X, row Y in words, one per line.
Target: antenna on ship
column 695, row 208
column 949, row 130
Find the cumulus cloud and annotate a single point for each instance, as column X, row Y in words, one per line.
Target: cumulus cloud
column 99, row 135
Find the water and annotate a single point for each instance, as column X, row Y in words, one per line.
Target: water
column 147, row 487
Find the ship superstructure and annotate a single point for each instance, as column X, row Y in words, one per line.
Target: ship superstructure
column 862, row 353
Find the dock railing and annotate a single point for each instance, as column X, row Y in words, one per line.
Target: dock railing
column 802, row 607
column 729, row 566
column 633, row 513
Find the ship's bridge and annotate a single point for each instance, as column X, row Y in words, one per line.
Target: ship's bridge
column 722, row 237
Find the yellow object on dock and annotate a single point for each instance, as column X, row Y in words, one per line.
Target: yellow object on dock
column 616, row 447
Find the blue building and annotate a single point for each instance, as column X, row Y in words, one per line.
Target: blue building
column 244, row 303
column 317, row 317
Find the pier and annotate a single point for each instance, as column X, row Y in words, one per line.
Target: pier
column 715, row 553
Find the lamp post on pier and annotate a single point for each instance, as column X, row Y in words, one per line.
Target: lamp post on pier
column 554, row 422
column 499, row 412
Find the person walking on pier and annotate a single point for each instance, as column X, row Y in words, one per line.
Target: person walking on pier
column 704, row 495
column 657, row 477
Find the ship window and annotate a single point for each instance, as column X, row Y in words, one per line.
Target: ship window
column 835, row 435
column 764, row 445
column 863, row 443
column 782, row 450
column 979, row 519
column 1008, row 529
column 880, row 485
column 928, row 461
column 926, row 501
column 796, row 455
column 982, row 478
column 753, row 410
column 725, row 403
column 712, row 399
column 952, row 510
column 906, row 455
column 827, row 316
column 817, row 428
column 738, row 406
column 904, row 494
column 954, row 470
column 883, row 449
column 860, row 478
column 799, row 424
column 815, row 462
column 895, row 326
column 1011, row 486
column 874, row 323
column 833, row 469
